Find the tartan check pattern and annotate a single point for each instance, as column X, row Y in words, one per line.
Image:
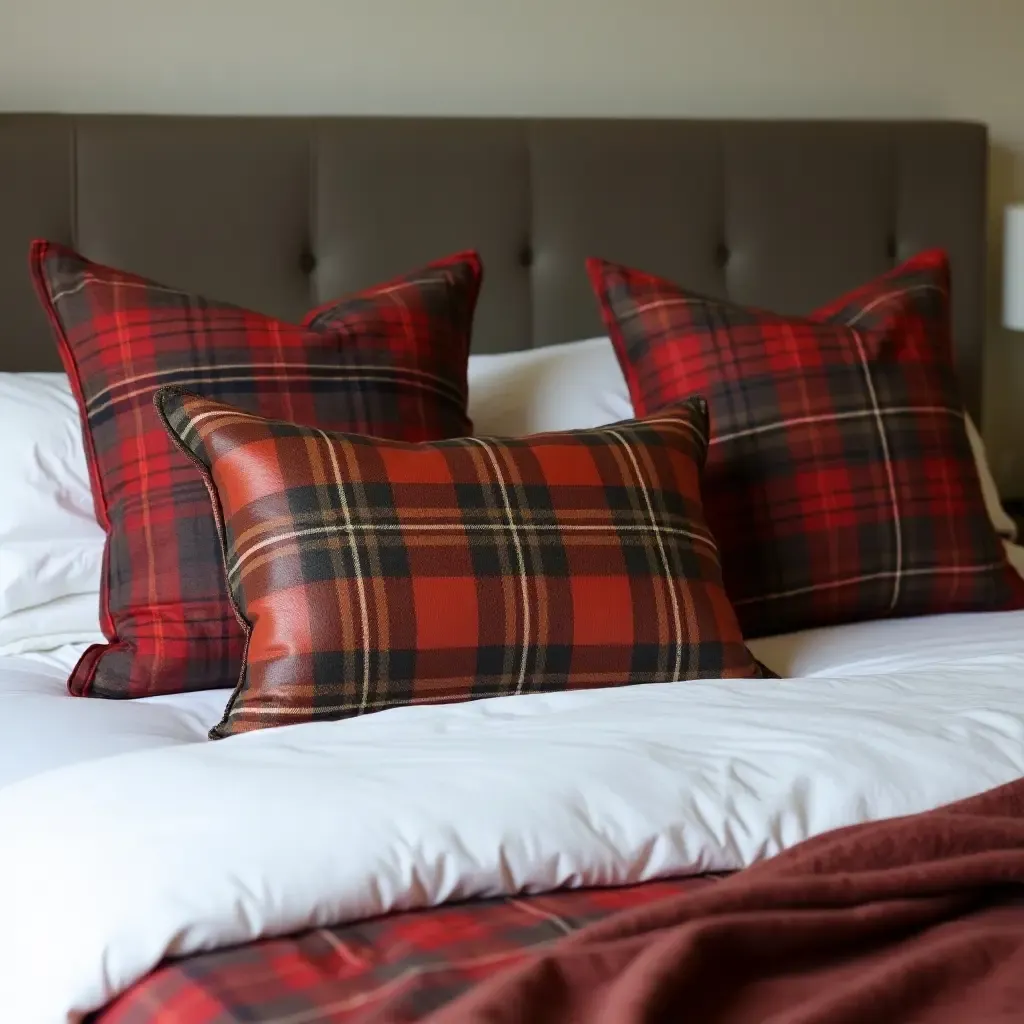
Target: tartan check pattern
column 399, row 968
column 389, row 361
column 377, row 573
column 840, row 482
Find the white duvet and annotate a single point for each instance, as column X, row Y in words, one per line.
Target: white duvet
column 126, row 837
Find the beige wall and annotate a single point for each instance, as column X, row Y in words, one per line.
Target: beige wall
column 934, row 58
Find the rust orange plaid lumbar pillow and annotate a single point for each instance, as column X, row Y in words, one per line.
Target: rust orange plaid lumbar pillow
column 372, row 574
column 389, row 361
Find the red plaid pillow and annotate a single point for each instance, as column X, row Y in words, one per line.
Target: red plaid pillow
column 390, row 361
column 840, row 482
column 375, row 573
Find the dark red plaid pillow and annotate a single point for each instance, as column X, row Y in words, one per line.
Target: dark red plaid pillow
column 840, row 482
column 390, row 361
column 375, row 573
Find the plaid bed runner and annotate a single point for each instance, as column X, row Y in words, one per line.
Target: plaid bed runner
column 394, row 969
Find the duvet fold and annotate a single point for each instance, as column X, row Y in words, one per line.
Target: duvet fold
column 918, row 919
column 110, row 866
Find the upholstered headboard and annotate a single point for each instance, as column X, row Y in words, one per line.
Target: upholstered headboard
column 279, row 214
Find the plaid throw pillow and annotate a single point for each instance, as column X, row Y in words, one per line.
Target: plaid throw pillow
column 840, row 481
column 391, row 361
column 375, row 574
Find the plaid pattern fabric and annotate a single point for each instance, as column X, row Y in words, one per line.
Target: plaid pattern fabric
column 840, row 482
column 398, row 968
column 391, row 361
column 376, row 573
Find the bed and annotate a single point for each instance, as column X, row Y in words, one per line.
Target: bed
column 164, row 884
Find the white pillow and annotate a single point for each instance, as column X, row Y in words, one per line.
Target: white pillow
column 579, row 384
column 1004, row 525
column 573, row 386
column 1016, row 556
column 51, row 547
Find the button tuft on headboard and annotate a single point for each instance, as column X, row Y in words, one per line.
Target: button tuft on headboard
column 226, row 206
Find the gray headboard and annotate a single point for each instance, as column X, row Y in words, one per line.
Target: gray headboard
column 279, row 214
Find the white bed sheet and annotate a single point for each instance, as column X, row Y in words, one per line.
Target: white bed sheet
column 42, row 727
column 206, row 844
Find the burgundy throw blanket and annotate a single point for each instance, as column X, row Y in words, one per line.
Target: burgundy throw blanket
column 914, row 919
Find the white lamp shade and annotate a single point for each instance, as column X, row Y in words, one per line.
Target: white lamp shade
column 1013, row 269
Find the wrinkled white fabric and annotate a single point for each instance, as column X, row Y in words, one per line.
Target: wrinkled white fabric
column 51, row 546
column 165, row 843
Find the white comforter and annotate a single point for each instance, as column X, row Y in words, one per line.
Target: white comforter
column 125, row 836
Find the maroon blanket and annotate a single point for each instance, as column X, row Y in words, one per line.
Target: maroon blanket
column 916, row 919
